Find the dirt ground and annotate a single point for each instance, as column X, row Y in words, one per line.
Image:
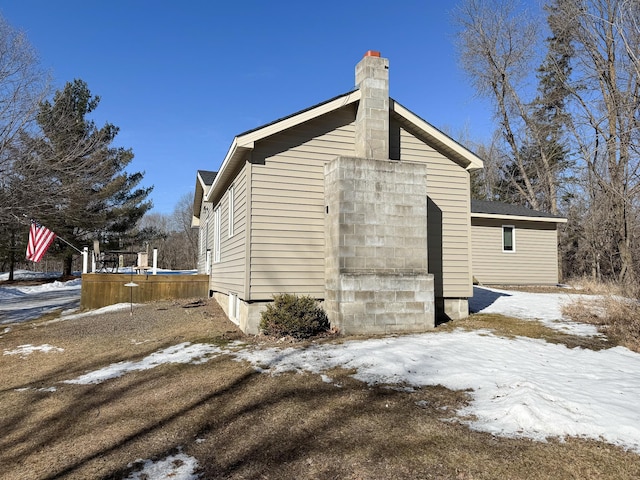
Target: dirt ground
column 238, row 423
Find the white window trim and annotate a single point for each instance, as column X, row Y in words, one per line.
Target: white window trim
column 207, row 265
column 513, row 239
column 231, row 208
column 216, row 235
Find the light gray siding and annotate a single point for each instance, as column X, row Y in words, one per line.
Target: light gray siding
column 448, row 212
column 228, row 275
column 287, row 211
column 534, row 261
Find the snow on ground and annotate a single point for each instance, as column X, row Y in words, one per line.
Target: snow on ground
column 24, row 350
column 28, row 275
column 518, row 387
column 545, row 307
column 174, row 467
column 521, row 388
column 181, row 353
column 116, row 307
column 23, row 303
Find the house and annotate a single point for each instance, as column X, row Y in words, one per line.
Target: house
column 513, row 245
column 356, row 201
column 204, row 180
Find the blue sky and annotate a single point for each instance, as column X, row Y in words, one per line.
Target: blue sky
column 181, row 79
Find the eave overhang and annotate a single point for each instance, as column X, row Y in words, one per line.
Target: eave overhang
column 496, row 216
column 440, row 141
column 243, row 144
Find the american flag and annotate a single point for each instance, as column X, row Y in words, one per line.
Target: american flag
column 40, row 238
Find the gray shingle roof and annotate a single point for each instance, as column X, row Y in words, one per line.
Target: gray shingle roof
column 501, row 208
column 294, row 114
column 207, row 176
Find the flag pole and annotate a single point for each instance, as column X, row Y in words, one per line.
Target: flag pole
column 57, row 236
column 60, row 238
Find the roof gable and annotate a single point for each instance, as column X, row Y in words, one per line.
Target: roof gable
column 439, row 140
column 204, row 180
column 245, row 142
column 206, row 177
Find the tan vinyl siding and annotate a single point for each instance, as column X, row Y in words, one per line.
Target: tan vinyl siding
column 204, row 240
column 448, row 213
column 534, row 261
column 228, row 275
column 287, row 212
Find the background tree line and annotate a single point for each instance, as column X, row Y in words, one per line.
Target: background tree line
column 61, row 169
column 56, row 165
column 564, row 85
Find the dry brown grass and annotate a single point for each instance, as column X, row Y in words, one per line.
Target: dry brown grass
column 511, row 327
column 240, row 424
column 537, row 288
column 617, row 317
column 590, row 286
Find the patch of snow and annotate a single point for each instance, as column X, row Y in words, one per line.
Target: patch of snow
column 51, row 286
column 181, row 353
column 521, row 387
column 24, row 350
column 173, row 467
column 23, row 303
column 29, row 275
column 545, row 307
column 116, row 307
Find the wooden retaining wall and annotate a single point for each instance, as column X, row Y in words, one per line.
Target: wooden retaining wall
column 102, row 289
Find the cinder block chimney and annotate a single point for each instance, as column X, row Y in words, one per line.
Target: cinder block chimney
column 376, row 266
column 372, row 119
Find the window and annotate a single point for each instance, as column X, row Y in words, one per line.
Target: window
column 508, row 238
column 216, row 235
column 234, row 307
column 231, row 211
column 202, row 246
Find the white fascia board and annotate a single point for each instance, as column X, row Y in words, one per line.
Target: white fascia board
column 302, row 117
column 231, row 154
column 244, row 143
column 197, row 198
column 475, row 162
column 518, row 217
column 195, row 222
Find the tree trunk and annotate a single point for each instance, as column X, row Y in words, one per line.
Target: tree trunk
column 68, row 261
column 12, row 255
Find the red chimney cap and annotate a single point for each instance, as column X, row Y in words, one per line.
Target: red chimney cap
column 372, row 53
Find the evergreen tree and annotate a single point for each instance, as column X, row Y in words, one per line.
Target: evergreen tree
column 92, row 194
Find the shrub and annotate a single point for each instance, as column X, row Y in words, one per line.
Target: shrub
column 296, row 316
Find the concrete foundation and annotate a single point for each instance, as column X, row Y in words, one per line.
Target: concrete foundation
column 248, row 315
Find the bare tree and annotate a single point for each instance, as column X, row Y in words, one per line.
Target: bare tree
column 23, row 85
column 172, row 235
column 605, row 95
column 181, row 218
column 500, row 45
